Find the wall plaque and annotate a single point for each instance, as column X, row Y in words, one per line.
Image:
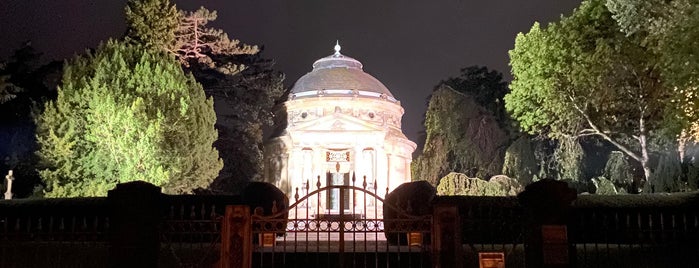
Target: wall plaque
column 337, row 156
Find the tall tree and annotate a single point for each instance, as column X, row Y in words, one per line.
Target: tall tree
column 670, row 29
column 125, row 113
column 467, row 128
column 583, row 77
column 151, row 23
column 210, row 48
column 243, row 85
column 245, row 88
column 245, row 103
column 30, row 84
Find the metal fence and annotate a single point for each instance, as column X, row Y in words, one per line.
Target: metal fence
column 491, row 224
column 654, row 235
column 76, row 232
column 622, row 231
column 54, row 233
column 355, row 235
column 190, row 231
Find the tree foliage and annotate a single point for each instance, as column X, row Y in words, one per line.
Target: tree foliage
column 667, row 175
column 8, row 90
column 604, row 186
column 520, row 161
column 244, row 87
column 619, row 170
column 461, row 137
column 569, row 159
column 487, row 88
column 583, row 77
column 151, row 23
column 245, row 104
column 210, row 48
column 30, row 84
column 124, row 114
column 670, row 29
column 460, row 184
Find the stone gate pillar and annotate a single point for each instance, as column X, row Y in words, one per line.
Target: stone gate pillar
column 547, row 204
column 446, row 236
column 236, row 238
column 135, row 224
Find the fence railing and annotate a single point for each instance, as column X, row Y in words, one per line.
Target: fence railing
column 54, row 233
column 186, row 231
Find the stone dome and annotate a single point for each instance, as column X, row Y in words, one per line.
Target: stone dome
column 338, row 75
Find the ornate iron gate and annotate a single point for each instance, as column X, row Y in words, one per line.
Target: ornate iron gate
column 354, row 236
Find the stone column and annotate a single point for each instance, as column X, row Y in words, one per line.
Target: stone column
column 284, row 172
column 295, row 170
column 408, row 171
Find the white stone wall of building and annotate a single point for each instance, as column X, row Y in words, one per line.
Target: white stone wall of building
column 340, row 109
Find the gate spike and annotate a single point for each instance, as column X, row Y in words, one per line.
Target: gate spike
column 318, row 183
column 354, row 178
column 364, row 183
column 296, row 196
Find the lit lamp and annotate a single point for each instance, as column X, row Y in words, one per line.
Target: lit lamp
column 415, row 239
column 265, row 239
column 491, row 260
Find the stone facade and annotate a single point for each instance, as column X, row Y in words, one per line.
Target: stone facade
column 343, row 125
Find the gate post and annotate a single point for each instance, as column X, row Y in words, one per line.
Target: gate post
column 136, row 215
column 446, row 236
column 236, row 237
column 547, row 203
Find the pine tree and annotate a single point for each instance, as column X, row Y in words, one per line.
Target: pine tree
column 244, row 86
column 151, row 23
column 245, row 89
column 125, row 113
column 195, row 43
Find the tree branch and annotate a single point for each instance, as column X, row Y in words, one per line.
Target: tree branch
column 605, row 136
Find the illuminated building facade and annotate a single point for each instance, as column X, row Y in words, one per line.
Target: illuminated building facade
column 342, row 123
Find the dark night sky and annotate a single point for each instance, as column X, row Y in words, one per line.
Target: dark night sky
column 408, row 45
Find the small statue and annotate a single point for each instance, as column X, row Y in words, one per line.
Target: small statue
column 9, row 178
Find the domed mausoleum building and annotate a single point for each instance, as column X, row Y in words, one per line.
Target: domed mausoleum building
column 342, row 125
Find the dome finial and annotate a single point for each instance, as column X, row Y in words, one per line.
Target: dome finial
column 337, row 48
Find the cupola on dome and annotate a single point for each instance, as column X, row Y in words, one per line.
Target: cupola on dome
column 338, row 75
